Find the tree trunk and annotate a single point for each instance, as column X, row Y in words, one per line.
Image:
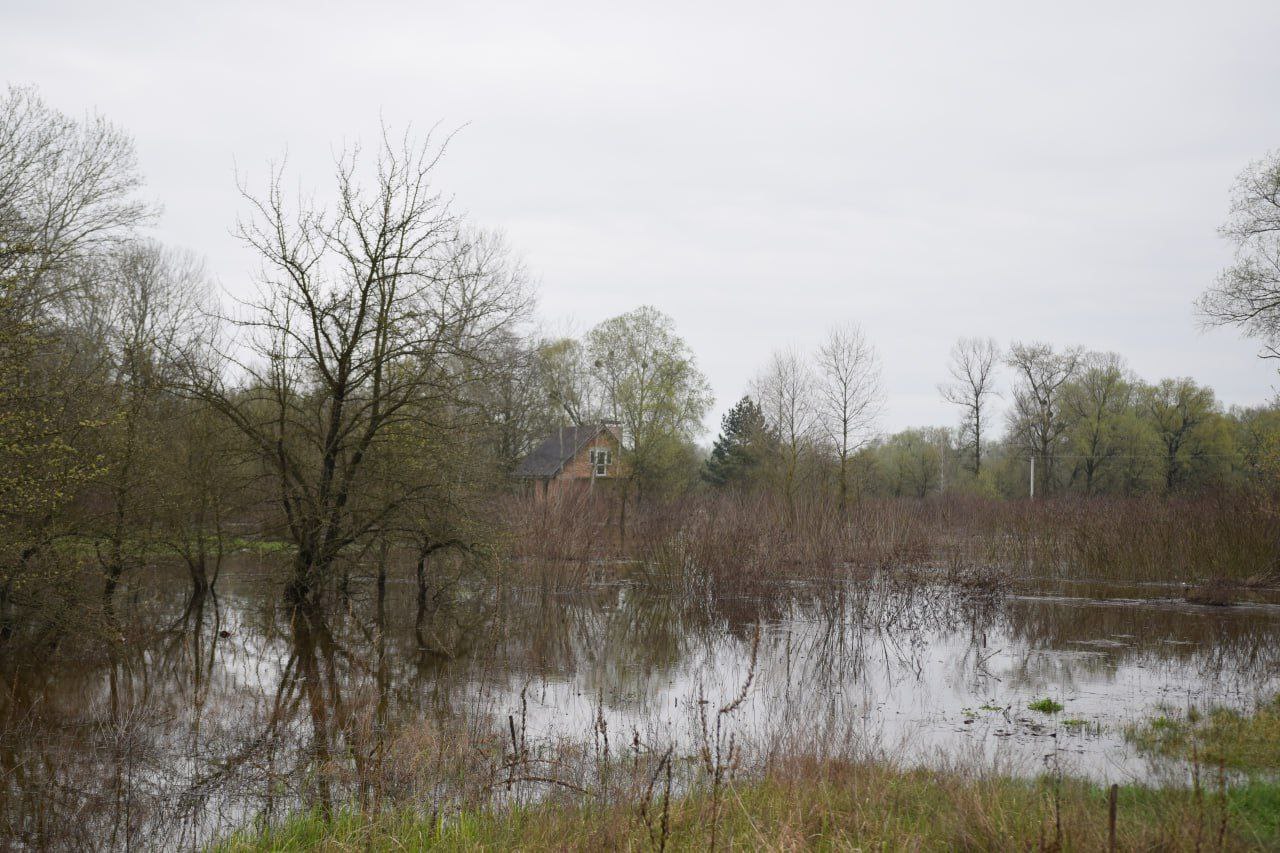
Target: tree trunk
column 305, row 649
column 6, row 614
column 844, row 481
column 383, row 549
column 301, row 587
column 421, row 570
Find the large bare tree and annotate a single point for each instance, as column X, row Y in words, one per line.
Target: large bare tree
column 67, row 188
column 973, row 371
column 515, row 404
column 375, row 317
column 569, row 381
column 849, row 395
column 1247, row 293
column 1039, row 419
column 151, row 307
column 785, row 391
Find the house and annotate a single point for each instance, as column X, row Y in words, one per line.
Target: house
column 573, row 460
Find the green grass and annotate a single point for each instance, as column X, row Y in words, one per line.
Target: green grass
column 839, row 805
column 1045, row 706
column 824, row 805
column 1248, row 743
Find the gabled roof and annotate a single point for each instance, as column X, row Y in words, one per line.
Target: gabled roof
column 550, row 456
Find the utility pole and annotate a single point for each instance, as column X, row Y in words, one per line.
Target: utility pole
column 1033, row 477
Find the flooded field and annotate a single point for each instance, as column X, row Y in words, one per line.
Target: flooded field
column 217, row 711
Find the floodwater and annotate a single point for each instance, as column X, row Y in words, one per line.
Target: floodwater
column 218, row 711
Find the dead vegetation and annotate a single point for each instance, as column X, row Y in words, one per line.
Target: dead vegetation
column 1210, row 543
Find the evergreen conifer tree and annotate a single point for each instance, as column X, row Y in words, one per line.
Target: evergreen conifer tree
column 740, row 447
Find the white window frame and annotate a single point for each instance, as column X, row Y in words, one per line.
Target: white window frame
column 600, row 459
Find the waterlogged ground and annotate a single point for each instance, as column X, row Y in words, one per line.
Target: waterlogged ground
column 216, row 711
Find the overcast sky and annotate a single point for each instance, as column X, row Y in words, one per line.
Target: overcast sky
column 1024, row 170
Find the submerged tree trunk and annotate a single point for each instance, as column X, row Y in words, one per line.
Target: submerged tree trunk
column 113, row 563
column 6, row 610
column 198, row 551
column 307, row 631
column 301, row 588
column 384, row 548
column 114, row 570
column 421, row 571
column 198, row 571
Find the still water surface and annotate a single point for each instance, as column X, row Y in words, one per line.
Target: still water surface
column 220, row 710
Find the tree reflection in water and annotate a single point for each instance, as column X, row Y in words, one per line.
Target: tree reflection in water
column 217, row 710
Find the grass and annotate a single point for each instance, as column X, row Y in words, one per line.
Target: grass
column 1248, row 743
column 826, row 805
column 1045, row 706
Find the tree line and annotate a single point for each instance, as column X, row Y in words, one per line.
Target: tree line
column 1091, row 425
column 1033, row 417
column 387, row 375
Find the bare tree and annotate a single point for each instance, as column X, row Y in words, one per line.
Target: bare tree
column 514, row 403
column 1247, row 293
column 152, row 304
column 1039, row 419
column 67, row 188
column 849, row 395
column 374, row 319
column 785, row 392
column 972, row 368
column 568, row 381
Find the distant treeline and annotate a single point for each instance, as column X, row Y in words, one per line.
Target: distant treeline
column 1091, row 426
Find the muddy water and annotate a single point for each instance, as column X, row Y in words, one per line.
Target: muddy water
column 215, row 711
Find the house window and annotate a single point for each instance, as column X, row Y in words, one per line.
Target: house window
column 600, row 459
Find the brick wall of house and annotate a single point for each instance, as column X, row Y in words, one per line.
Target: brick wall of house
column 579, row 467
column 576, row 475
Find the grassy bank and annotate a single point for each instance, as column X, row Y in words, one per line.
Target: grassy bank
column 1245, row 743
column 831, row 805
column 801, row 803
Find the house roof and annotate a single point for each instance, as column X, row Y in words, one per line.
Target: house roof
column 550, row 456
